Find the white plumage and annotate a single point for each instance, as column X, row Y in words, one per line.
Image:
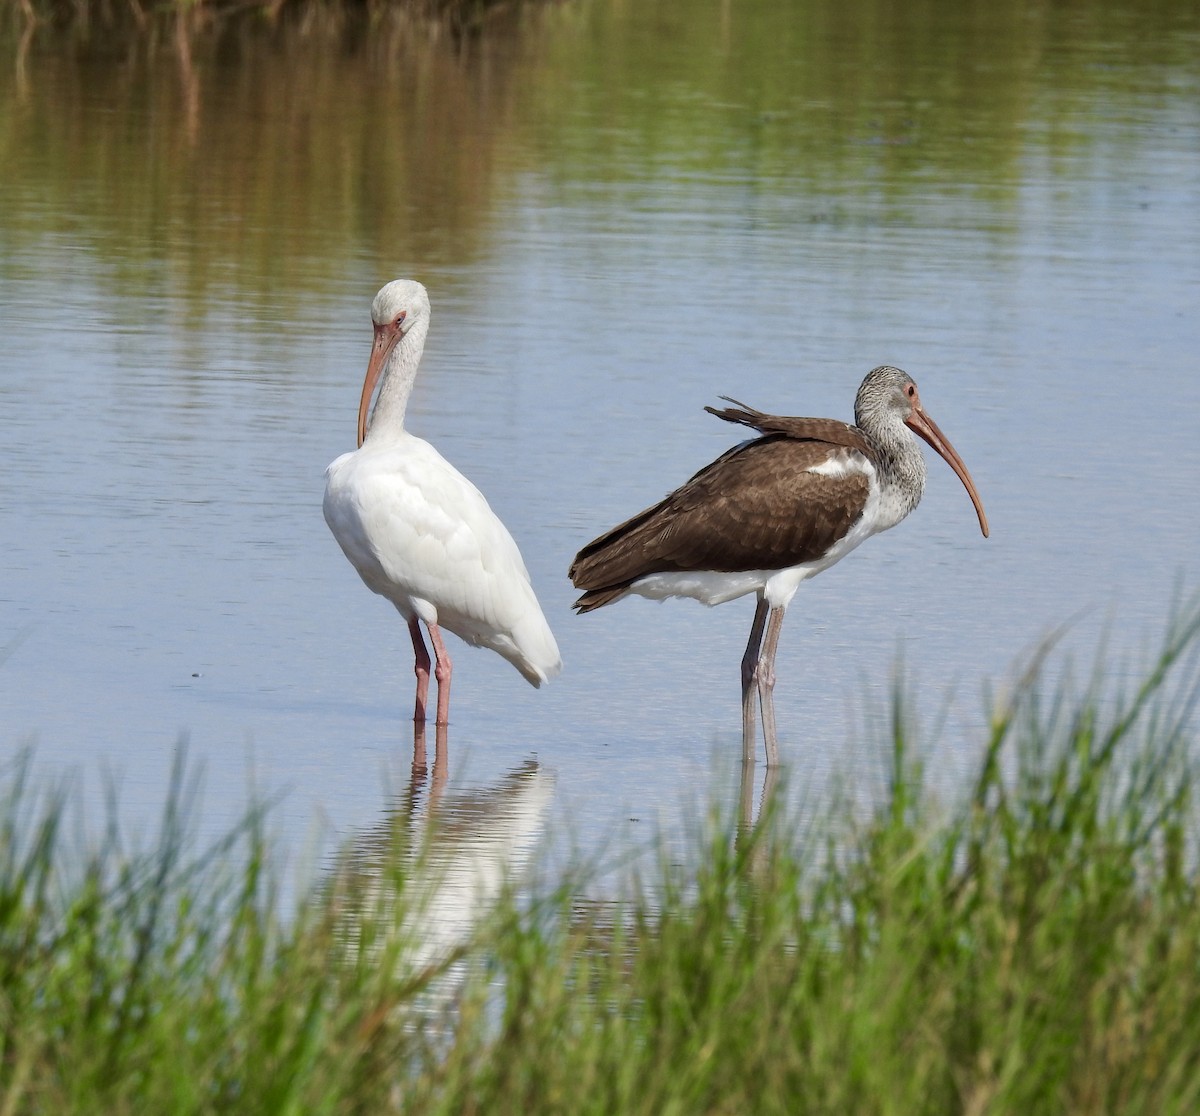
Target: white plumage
column 418, row 532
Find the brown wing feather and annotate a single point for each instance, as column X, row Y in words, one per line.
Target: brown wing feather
column 830, row 431
column 755, row 507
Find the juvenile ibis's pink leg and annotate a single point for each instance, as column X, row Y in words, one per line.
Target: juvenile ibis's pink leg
column 765, row 676
column 749, row 671
column 441, row 671
column 420, row 669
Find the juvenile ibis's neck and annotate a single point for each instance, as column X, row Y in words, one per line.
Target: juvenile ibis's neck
column 901, row 462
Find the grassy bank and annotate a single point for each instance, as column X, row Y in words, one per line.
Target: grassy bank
column 1033, row 947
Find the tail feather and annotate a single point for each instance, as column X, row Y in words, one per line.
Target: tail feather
column 740, row 413
column 537, row 656
column 597, row 598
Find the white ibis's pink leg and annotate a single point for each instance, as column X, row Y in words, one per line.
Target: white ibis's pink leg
column 419, row 766
column 420, row 769
column 765, row 676
column 441, row 671
column 420, row 669
column 749, row 671
column 441, row 765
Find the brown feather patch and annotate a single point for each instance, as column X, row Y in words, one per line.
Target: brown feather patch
column 758, row 506
column 830, row 431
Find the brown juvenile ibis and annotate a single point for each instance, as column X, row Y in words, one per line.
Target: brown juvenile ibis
column 770, row 513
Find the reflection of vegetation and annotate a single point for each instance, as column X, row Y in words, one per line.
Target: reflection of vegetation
column 132, row 17
column 244, row 155
column 1036, row 950
column 244, row 151
column 851, row 97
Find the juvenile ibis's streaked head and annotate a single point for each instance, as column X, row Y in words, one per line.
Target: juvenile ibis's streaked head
column 398, row 307
column 888, row 397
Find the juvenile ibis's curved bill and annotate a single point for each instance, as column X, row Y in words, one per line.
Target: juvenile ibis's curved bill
column 920, row 423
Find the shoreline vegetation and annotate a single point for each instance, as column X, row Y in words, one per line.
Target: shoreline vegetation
column 1033, row 947
column 458, row 17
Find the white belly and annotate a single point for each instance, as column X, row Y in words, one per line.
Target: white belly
column 423, row 536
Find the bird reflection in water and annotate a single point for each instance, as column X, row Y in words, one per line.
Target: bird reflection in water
column 420, row 763
column 752, row 835
column 748, row 821
column 417, row 885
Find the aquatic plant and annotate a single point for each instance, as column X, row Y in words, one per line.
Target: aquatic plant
column 1031, row 944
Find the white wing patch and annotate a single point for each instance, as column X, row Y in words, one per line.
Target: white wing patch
column 844, row 463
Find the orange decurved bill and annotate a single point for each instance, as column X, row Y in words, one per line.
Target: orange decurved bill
column 386, row 337
column 923, row 425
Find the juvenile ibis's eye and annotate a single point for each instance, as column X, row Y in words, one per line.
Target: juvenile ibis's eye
column 911, row 390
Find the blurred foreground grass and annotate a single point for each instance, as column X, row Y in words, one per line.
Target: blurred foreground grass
column 1033, row 948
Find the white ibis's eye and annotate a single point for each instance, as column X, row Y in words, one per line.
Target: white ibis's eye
column 401, row 316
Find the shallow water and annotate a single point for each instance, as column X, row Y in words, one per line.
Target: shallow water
column 622, row 212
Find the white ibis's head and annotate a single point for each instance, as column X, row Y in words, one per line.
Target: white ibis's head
column 399, row 304
column 399, row 307
column 887, row 397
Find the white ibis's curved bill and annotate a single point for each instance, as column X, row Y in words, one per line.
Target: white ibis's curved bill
column 919, row 422
column 386, row 336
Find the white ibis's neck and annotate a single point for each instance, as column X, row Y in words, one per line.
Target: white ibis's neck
column 396, row 382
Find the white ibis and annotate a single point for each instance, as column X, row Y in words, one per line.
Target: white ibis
column 418, row 532
column 769, row 514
